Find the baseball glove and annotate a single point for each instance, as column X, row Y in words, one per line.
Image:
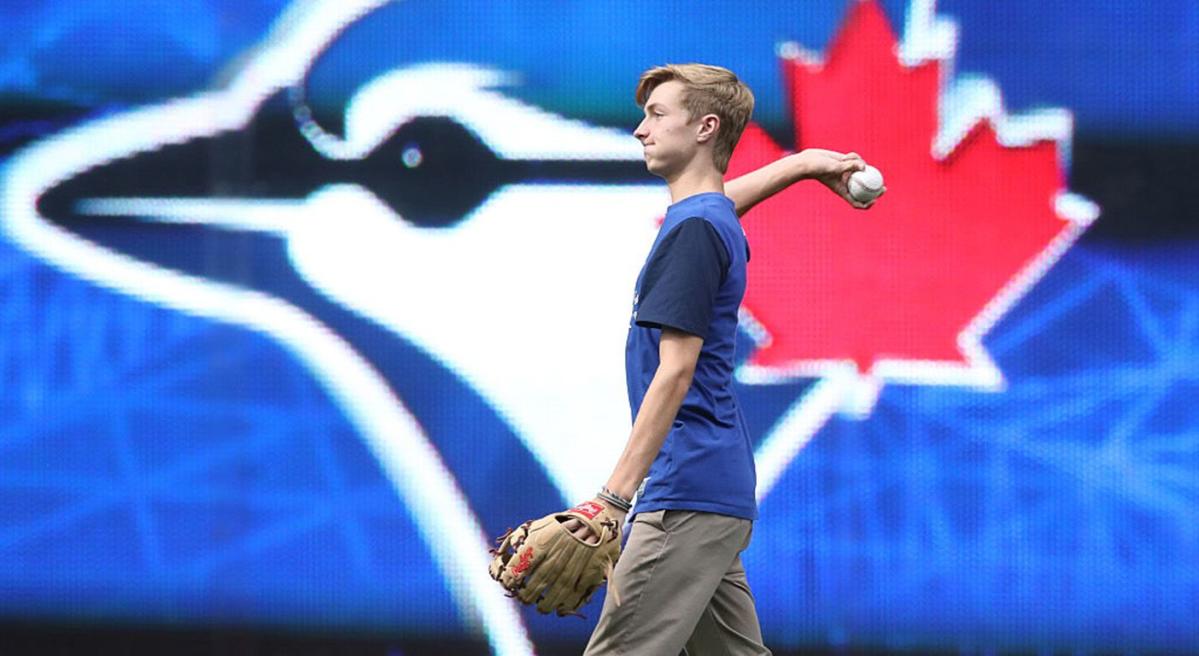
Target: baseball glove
column 541, row 562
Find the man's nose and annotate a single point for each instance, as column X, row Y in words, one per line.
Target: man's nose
column 640, row 133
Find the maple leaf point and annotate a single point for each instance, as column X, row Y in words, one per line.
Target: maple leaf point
column 976, row 211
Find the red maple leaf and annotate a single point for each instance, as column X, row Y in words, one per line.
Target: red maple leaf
column 905, row 289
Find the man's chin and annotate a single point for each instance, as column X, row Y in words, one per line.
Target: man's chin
column 655, row 167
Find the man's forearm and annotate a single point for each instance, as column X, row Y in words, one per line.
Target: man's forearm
column 758, row 185
column 654, row 420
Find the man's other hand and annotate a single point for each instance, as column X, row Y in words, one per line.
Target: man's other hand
column 584, row 532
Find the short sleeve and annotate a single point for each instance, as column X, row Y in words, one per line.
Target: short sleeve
column 682, row 279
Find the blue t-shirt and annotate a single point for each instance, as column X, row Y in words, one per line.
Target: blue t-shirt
column 693, row 280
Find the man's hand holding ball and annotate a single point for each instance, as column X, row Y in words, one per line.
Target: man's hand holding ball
column 846, row 174
column 866, row 185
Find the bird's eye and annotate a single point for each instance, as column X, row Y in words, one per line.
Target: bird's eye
column 412, row 156
column 432, row 172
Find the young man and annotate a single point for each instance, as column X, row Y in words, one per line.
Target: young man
column 689, row 458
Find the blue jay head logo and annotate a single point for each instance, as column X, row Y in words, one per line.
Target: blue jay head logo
column 444, row 213
column 494, row 239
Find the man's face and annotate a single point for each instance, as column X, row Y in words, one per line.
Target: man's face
column 667, row 132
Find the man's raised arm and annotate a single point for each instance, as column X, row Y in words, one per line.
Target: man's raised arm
column 829, row 167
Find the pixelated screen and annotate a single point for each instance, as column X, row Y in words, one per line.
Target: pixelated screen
column 302, row 304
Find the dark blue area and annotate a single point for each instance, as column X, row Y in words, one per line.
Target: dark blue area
column 179, row 471
column 135, row 51
column 1050, row 513
column 1124, row 68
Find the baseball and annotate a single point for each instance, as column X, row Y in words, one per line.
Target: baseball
column 865, row 186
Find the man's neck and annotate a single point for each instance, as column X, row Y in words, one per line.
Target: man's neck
column 695, row 181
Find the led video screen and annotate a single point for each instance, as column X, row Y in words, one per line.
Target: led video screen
column 303, row 304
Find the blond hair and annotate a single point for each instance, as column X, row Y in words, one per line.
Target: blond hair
column 707, row 90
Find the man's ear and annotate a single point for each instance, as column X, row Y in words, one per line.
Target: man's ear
column 708, row 125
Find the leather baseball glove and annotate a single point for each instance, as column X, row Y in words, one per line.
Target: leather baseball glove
column 541, row 562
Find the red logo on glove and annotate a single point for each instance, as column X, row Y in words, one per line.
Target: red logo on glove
column 525, row 559
column 588, row 509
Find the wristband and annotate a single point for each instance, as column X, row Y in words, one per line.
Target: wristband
column 616, row 500
column 627, row 502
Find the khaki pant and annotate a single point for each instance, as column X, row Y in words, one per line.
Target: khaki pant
column 682, row 590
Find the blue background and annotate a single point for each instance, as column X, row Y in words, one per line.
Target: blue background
column 157, row 467
column 1124, row 67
